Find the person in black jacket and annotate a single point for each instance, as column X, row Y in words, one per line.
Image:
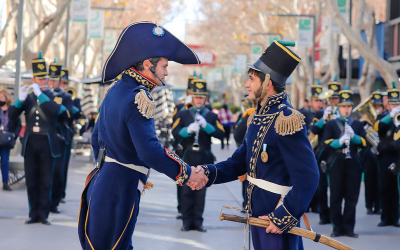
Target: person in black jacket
column 388, row 155
column 41, row 143
column 6, row 125
column 194, row 128
column 345, row 136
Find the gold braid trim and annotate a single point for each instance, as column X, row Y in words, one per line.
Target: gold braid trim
column 109, row 87
column 250, row 118
column 146, row 106
column 288, row 125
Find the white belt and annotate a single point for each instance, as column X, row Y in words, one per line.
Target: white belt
column 269, row 186
column 140, row 169
column 140, row 187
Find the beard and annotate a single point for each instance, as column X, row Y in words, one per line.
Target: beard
column 257, row 93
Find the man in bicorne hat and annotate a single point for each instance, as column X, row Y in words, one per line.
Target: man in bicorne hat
column 275, row 152
column 124, row 140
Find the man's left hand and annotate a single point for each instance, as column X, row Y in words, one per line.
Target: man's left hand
column 271, row 228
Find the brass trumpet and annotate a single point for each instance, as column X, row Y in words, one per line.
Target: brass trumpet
column 370, row 115
column 72, row 91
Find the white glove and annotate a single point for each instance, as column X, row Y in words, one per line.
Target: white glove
column 23, row 92
column 193, row 128
column 327, row 112
column 343, row 139
column 189, row 99
column 200, row 119
column 336, row 113
column 394, row 111
column 36, row 89
column 349, row 131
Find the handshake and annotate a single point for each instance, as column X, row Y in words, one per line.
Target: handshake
column 24, row 91
column 197, row 179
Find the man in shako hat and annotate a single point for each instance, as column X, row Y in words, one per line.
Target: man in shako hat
column 41, row 144
column 346, row 137
column 369, row 159
column 181, row 106
column 124, row 140
column 275, row 151
column 389, row 154
column 76, row 114
column 63, row 129
column 322, row 152
column 194, row 128
column 315, row 105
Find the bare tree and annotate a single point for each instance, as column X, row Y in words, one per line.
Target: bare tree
column 385, row 68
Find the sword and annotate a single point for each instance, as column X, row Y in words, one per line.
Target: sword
column 295, row 230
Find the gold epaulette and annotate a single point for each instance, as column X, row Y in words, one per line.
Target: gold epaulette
column 288, row 125
column 146, row 104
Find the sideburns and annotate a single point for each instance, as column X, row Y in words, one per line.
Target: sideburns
column 257, row 94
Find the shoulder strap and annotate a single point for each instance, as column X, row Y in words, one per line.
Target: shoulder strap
column 340, row 125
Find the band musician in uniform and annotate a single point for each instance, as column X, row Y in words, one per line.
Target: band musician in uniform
column 124, row 140
column 345, row 136
column 41, row 143
column 194, row 128
column 275, row 153
column 65, row 135
column 388, row 155
column 322, row 152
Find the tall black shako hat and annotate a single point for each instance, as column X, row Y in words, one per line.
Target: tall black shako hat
column 55, row 69
column 346, row 97
column 393, row 94
column 278, row 61
column 142, row 40
column 199, row 87
column 190, row 81
column 64, row 74
column 335, row 86
column 316, row 90
column 377, row 97
column 39, row 67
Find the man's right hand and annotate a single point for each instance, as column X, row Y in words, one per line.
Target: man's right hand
column 394, row 112
column 197, row 179
column 193, row 128
column 23, row 92
column 36, row 89
column 327, row 112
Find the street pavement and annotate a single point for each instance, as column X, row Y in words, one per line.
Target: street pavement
column 157, row 227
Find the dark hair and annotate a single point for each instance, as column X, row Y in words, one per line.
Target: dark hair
column 139, row 65
column 225, row 107
column 278, row 89
column 306, row 100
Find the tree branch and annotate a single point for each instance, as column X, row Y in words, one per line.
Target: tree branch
column 387, row 71
column 11, row 16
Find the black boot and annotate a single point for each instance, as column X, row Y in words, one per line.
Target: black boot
column 6, row 187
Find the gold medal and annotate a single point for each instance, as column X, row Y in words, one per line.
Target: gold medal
column 264, row 154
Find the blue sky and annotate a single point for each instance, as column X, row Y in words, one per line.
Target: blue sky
column 189, row 15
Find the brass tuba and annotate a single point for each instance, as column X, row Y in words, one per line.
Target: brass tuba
column 72, row 91
column 370, row 115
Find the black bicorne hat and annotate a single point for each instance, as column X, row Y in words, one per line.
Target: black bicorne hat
column 346, row 97
column 190, row 81
column 199, row 87
column 393, row 94
column 55, row 69
column 377, row 97
column 39, row 67
column 335, row 86
column 143, row 40
column 316, row 90
column 278, row 61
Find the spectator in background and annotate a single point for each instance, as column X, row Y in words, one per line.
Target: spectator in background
column 5, row 102
column 306, row 106
column 225, row 116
